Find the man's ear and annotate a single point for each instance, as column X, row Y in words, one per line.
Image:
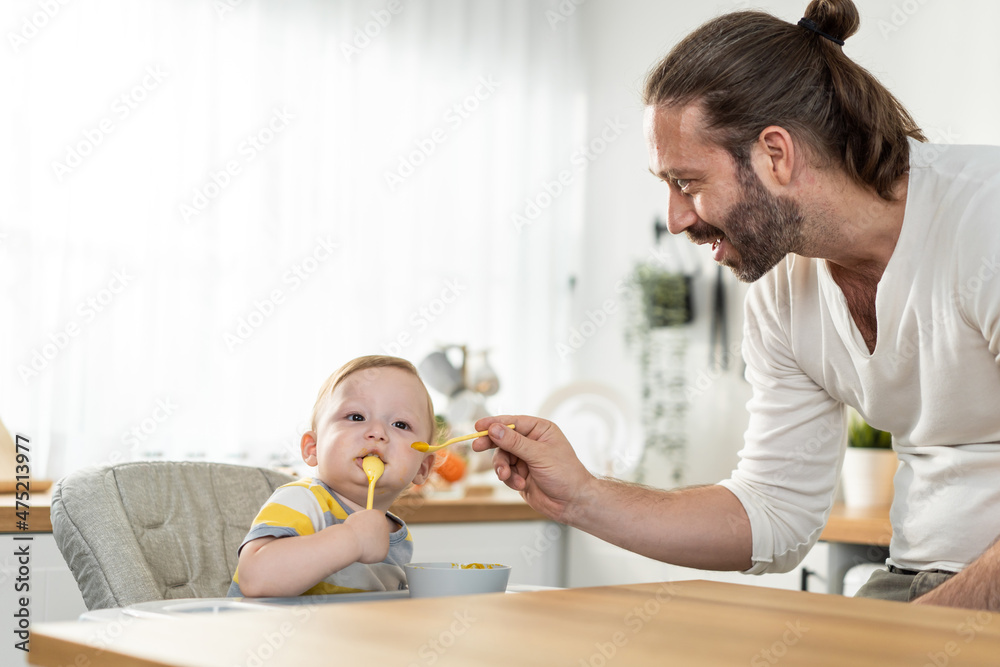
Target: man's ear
column 774, row 156
column 308, row 446
column 424, row 471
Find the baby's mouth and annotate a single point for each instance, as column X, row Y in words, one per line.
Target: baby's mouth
column 360, row 459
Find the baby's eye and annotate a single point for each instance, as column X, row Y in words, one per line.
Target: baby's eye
column 355, row 417
column 401, row 424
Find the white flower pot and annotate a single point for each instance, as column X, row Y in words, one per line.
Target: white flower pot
column 867, row 476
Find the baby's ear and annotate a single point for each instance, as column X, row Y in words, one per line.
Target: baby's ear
column 308, row 446
column 424, row 471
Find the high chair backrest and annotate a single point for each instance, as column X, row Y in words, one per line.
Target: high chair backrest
column 156, row 530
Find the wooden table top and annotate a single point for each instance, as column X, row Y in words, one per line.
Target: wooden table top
column 680, row 623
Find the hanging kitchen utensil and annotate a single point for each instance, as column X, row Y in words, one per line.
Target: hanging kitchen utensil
column 718, row 334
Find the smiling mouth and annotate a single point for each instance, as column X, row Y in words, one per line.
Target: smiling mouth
column 703, row 233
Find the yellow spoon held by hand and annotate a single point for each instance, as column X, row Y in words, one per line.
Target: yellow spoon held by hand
column 424, row 447
column 373, row 467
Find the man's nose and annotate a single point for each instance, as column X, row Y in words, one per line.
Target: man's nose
column 680, row 212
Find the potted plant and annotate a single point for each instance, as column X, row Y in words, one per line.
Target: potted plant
column 666, row 296
column 660, row 306
column 869, row 465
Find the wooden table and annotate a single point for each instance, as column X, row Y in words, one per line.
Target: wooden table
column 682, row 623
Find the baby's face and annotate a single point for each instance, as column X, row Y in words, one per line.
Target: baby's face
column 376, row 411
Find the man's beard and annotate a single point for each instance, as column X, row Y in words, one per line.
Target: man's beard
column 762, row 228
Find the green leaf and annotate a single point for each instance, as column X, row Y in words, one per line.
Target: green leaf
column 861, row 434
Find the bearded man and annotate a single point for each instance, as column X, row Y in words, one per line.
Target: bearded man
column 873, row 258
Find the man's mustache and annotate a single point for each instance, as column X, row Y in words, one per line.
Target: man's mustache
column 703, row 233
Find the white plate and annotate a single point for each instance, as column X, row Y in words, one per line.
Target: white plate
column 598, row 423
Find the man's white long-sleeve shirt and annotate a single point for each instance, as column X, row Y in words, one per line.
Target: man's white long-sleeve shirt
column 933, row 380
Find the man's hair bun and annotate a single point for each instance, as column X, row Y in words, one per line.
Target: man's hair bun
column 838, row 18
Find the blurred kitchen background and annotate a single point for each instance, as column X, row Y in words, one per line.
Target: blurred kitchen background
column 210, row 205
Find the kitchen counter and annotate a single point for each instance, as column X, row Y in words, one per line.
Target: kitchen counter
column 412, row 509
column 493, row 528
column 846, row 525
column 858, row 525
column 38, row 520
column 415, row 509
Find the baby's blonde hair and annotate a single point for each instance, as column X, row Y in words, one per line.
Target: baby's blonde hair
column 366, row 363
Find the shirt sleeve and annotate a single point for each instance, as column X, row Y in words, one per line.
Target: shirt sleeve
column 290, row 511
column 976, row 264
column 789, row 465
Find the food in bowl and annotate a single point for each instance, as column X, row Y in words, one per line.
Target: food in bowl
column 444, row 579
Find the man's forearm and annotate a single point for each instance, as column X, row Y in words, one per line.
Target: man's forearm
column 703, row 527
column 975, row 587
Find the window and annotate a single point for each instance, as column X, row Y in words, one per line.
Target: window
column 210, row 206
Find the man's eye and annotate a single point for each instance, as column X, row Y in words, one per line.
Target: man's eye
column 355, row 417
column 681, row 183
column 402, row 425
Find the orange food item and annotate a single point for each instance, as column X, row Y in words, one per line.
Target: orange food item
column 450, row 466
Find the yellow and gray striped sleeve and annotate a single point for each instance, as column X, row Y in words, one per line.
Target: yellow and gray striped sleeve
column 294, row 509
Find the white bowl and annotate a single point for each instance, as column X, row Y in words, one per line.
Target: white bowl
column 428, row 580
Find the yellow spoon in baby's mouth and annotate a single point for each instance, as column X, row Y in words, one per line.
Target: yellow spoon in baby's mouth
column 424, row 447
column 373, row 467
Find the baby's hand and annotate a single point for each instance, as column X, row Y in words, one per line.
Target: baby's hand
column 371, row 529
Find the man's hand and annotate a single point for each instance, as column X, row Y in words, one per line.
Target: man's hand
column 964, row 594
column 975, row 587
column 536, row 459
column 702, row 527
column 371, row 530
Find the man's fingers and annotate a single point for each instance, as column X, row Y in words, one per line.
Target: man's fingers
column 517, row 478
column 507, row 439
column 501, row 464
column 528, row 444
column 510, row 470
column 483, row 443
column 521, row 469
column 486, row 422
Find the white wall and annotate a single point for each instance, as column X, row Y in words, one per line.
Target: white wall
column 941, row 59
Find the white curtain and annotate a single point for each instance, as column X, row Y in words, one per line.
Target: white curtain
column 210, row 205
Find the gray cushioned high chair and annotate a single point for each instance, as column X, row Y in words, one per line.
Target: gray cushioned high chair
column 156, row 530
